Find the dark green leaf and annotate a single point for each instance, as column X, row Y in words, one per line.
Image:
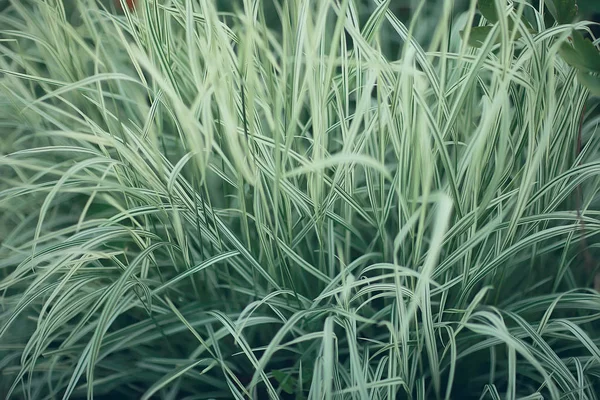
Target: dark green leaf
column 588, row 51
column 582, row 55
column 570, row 55
column 286, row 382
column 563, row 11
column 592, row 82
column 478, row 35
column 488, row 10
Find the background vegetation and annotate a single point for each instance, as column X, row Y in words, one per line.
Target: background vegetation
column 296, row 199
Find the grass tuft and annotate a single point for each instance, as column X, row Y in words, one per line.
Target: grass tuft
column 295, row 200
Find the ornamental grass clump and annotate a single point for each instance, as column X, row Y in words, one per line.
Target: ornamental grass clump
column 294, row 200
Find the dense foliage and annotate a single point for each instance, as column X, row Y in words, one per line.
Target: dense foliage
column 295, row 199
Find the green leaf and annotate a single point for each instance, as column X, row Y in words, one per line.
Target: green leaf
column 592, row 82
column 478, row 35
column 582, row 55
column 287, row 382
column 570, row 55
column 563, row 11
column 588, row 51
column 488, row 10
